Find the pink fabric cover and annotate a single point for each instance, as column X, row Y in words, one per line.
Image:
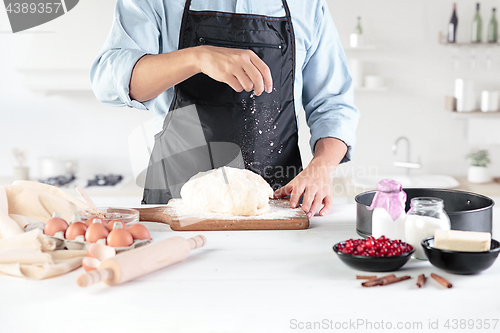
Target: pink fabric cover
column 391, row 197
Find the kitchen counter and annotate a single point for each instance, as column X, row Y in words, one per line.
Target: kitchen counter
column 255, row 281
column 344, row 187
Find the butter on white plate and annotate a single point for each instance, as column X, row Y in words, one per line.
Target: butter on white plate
column 466, row 241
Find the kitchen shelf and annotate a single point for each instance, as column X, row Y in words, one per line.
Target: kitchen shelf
column 443, row 41
column 471, row 44
column 360, row 48
column 478, row 114
column 370, row 89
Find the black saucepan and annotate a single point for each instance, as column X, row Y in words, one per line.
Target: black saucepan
column 467, row 211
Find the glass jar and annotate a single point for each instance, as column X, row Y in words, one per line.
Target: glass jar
column 424, row 217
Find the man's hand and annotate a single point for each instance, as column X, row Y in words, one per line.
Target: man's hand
column 314, row 183
column 240, row 69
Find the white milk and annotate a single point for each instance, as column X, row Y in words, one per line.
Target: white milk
column 383, row 224
column 418, row 227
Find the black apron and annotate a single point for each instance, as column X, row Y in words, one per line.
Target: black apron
column 258, row 133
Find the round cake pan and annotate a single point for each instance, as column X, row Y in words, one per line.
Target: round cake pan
column 467, row 211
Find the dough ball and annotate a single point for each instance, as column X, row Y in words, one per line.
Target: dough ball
column 246, row 193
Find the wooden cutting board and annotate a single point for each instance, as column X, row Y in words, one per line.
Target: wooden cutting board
column 280, row 217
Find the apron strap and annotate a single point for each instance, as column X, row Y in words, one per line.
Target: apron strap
column 184, row 21
column 292, row 42
column 285, row 6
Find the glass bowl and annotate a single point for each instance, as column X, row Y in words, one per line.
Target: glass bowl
column 127, row 215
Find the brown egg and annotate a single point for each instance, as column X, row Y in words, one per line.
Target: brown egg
column 120, row 238
column 75, row 229
column 95, row 232
column 91, row 220
column 111, row 225
column 139, row 231
column 54, row 225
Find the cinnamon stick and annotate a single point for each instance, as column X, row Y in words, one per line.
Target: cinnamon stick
column 445, row 283
column 366, row 277
column 377, row 282
column 394, row 280
column 421, row 280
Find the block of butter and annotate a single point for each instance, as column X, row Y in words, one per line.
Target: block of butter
column 467, row 241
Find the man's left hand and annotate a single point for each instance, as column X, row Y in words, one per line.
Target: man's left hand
column 314, row 183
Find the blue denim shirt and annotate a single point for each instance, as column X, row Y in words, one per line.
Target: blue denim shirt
column 323, row 84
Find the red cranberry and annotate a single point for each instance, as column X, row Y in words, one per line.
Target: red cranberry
column 375, row 247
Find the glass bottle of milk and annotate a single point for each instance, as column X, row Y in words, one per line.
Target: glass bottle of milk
column 424, row 217
column 388, row 207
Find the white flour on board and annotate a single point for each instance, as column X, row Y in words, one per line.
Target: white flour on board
column 277, row 210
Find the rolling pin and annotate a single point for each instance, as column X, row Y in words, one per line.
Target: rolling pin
column 131, row 264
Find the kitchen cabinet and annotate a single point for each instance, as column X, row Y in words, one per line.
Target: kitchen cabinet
column 60, row 52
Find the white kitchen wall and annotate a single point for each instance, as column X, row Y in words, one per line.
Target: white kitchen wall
column 418, row 71
column 64, row 124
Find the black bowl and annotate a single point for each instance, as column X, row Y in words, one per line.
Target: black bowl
column 373, row 264
column 459, row 262
column 467, row 211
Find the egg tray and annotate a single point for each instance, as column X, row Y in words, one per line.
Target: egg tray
column 63, row 243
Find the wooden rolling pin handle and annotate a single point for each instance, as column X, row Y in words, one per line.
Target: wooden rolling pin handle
column 93, row 277
column 196, row 242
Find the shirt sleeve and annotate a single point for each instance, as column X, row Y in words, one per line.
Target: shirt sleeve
column 134, row 33
column 328, row 96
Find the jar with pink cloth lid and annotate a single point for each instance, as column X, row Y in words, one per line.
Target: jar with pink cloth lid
column 388, row 207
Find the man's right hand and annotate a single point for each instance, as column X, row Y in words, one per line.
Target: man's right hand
column 240, row 69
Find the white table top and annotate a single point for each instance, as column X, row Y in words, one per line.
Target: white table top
column 255, row 281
